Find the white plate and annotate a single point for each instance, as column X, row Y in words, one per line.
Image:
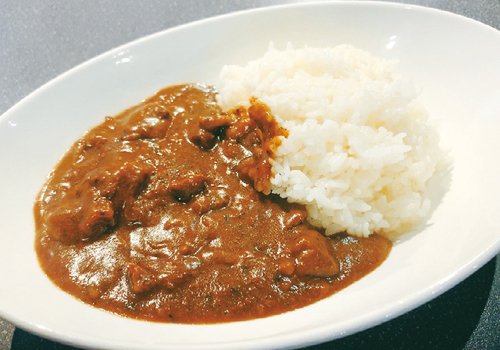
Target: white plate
column 455, row 60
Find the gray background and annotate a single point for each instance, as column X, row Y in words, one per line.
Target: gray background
column 41, row 39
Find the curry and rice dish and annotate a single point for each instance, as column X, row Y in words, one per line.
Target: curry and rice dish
column 179, row 210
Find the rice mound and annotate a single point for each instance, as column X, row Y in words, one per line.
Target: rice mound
column 360, row 150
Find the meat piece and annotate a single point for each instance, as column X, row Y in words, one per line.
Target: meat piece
column 62, row 224
column 149, row 275
column 73, row 222
column 286, row 266
column 293, row 218
column 144, row 211
column 130, row 180
column 212, row 123
column 201, row 204
column 214, row 199
column 314, row 255
column 77, row 224
column 316, row 263
column 209, row 128
column 185, row 188
column 97, row 218
column 239, row 129
column 242, row 125
column 253, row 140
column 246, row 169
column 118, row 184
column 139, row 279
column 202, row 138
column 258, row 133
column 158, row 189
column 256, row 172
column 91, row 207
column 223, row 257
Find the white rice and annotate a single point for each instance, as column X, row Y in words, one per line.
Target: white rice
column 359, row 152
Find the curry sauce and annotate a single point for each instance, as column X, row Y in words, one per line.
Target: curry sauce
column 164, row 213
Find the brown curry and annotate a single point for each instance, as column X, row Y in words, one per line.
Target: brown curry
column 163, row 213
